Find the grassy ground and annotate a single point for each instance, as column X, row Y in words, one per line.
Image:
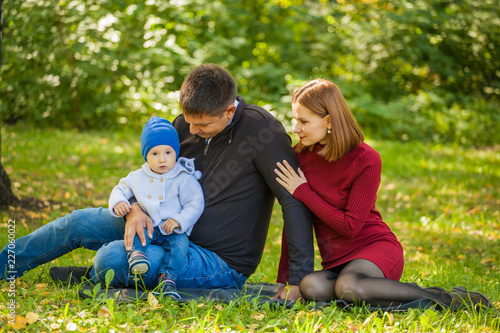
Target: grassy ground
column 442, row 202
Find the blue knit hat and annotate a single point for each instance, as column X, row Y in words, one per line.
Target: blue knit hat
column 159, row 131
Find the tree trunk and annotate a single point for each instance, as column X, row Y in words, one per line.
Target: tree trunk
column 7, row 197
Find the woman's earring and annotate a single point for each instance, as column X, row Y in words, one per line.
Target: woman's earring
column 329, row 131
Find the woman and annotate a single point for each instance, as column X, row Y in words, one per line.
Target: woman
column 338, row 181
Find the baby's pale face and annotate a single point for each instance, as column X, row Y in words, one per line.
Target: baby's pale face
column 161, row 159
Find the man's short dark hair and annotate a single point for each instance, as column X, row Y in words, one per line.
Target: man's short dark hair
column 208, row 89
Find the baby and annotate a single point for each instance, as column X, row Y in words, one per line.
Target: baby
column 167, row 189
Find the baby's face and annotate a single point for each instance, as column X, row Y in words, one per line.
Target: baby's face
column 161, row 159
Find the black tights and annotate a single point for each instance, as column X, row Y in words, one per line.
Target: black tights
column 362, row 281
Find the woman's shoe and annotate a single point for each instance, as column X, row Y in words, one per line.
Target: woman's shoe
column 460, row 296
column 437, row 290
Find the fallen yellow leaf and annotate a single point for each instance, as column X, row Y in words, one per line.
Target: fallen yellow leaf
column 258, row 316
column 152, row 301
column 41, row 286
column 20, row 322
column 352, row 327
column 367, row 320
column 103, row 312
column 32, row 317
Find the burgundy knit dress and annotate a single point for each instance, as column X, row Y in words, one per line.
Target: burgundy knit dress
column 342, row 195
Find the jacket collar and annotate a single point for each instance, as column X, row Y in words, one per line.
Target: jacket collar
column 181, row 165
column 238, row 115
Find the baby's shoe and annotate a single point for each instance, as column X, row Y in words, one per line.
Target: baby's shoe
column 167, row 287
column 138, row 263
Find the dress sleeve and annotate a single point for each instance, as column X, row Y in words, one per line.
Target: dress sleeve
column 361, row 198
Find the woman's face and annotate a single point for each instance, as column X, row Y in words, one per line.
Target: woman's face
column 310, row 127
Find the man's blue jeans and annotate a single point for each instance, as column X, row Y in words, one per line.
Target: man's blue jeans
column 176, row 248
column 94, row 228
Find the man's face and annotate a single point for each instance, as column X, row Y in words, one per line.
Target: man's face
column 208, row 126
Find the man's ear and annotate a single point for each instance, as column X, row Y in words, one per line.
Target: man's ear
column 229, row 112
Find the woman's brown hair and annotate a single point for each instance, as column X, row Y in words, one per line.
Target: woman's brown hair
column 324, row 98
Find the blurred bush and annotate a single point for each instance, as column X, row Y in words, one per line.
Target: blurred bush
column 410, row 70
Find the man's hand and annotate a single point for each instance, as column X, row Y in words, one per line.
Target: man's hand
column 137, row 220
column 292, row 294
column 121, row 208
column 170, row 225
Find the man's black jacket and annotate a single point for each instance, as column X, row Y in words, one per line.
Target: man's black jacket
column 240, row 186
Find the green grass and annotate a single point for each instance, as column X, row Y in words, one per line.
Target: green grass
column 442, row 202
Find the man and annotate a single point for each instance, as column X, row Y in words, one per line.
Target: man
column 236, row 147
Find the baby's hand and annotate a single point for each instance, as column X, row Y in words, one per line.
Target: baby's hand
column 170, row 225
column 121, row 208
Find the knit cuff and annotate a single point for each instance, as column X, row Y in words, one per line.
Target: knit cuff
column 301, row 192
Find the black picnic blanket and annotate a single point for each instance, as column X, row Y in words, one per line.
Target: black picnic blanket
column 260, row 293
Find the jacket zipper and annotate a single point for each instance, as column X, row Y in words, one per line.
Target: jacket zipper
column 205, row 152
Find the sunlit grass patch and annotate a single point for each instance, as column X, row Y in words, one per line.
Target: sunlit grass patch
column 442, row 202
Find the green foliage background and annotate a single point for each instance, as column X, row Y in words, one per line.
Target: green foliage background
column 425, row 70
